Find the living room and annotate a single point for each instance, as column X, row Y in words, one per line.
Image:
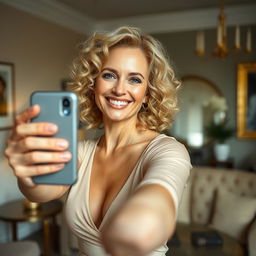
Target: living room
column 41, row 51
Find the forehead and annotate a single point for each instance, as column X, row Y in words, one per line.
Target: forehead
column 126, row 56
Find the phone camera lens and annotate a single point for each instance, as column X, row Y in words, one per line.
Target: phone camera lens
column 66, row 106
column 66, row 112
column 66, row 102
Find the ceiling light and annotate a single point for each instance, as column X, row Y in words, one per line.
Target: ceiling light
column 221, row 50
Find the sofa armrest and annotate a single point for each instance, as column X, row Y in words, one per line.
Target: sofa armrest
column 252, row 239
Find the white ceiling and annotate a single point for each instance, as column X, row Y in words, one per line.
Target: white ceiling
column 111, row 9
column 153, row 16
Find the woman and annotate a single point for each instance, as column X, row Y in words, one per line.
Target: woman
column 130, row 180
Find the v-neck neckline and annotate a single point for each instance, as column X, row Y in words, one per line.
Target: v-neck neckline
column 119, row 192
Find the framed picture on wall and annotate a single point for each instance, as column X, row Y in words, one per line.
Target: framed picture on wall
column 246, row 101
column 7, row 101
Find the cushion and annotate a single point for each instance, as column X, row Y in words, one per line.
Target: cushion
column 207, row 180
column 233, row 214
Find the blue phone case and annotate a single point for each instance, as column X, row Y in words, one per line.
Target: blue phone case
column 51, row 105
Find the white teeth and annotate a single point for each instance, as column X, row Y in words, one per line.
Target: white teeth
column 118, row 102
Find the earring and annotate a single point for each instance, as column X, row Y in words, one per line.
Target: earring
column 144, row 106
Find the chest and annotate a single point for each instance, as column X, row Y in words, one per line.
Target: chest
column 108, row 177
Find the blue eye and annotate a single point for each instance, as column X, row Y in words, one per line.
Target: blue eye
column 135, row 80
column 108, row 76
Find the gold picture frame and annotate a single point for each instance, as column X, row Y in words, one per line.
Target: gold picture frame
column 246, row 101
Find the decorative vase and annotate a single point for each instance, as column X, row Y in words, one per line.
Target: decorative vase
column 221, row 151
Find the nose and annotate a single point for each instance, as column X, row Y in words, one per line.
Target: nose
column 119, row 88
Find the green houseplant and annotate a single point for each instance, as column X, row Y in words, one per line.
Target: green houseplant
column 220, row 133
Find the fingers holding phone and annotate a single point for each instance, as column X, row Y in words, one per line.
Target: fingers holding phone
column 31, row 151
column 60, row 108
column 31, row 143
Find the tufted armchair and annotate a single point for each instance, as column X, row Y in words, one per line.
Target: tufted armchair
column 223, row 199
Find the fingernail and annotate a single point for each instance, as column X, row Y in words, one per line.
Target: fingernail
column 51, row 128
column 65, row 155
column 62, row 143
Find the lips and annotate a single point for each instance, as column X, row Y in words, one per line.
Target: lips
column 117, row 103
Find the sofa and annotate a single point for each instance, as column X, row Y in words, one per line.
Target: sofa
column 209, row 198
column 223, row 199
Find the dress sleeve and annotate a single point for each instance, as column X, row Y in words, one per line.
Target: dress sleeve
column 167, row 164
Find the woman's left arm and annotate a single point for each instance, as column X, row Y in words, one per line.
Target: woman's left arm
column 144, row 223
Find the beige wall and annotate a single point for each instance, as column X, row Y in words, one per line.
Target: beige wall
column 42, row 53
column 40, row 50
column 221, row 72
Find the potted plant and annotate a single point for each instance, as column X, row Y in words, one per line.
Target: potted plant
column 220, row 133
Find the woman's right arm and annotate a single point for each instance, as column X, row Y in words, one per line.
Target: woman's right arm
column 32, row 151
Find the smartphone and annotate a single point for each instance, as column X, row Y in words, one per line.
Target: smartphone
column 60, row 108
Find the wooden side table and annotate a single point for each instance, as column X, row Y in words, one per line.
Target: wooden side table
column 15, row 212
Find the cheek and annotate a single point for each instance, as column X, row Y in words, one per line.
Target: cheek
column 97, row 86
column 102, row 86
column 99, row 89
column 139, row 92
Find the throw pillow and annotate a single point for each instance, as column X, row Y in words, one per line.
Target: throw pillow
column 233, row 214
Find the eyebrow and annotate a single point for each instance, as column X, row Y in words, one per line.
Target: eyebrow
column 131, row 73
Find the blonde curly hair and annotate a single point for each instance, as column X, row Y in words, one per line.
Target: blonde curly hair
column 162, row 86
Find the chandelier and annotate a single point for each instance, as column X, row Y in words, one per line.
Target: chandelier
column 221, row 49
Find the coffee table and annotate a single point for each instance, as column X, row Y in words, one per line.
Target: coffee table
column 230, row 246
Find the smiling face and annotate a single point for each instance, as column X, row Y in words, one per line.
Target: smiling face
column 121, row 86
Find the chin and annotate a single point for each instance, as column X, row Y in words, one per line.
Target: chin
column 119, row 118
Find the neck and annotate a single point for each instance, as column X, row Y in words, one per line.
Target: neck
column 119, row 134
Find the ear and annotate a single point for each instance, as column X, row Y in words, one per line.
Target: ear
column 146, row 97
column 145, row 100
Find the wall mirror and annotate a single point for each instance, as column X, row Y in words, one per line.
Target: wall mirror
column 200, row 103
